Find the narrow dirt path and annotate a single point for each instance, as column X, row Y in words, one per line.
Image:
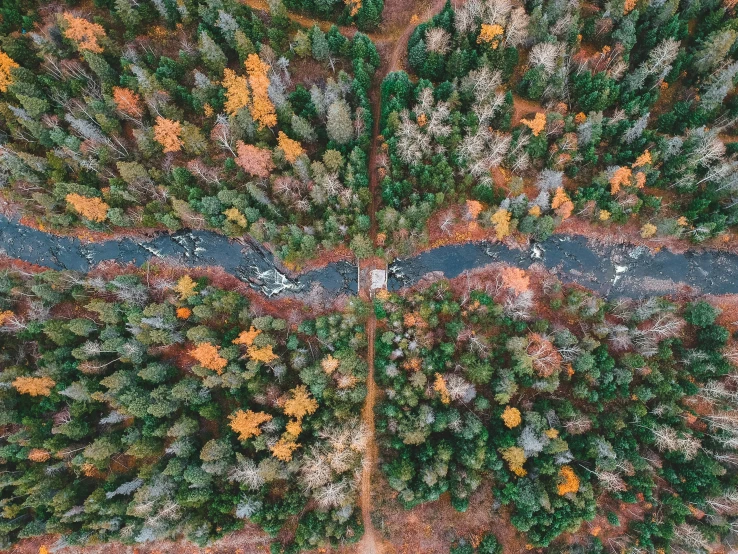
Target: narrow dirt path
column 369, row 543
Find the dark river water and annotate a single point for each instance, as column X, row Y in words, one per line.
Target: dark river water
column 609, row 270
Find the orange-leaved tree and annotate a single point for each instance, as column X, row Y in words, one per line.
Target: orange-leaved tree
column 168, row 133
column 568, row 481
column 562, row 204
column 84, row 33
column 93, row 209
column 515, row 278
column 254, row 160
column 536, row 125
column 209, row 357
column 262, row 109
column 34, row 386
column 237, row 91
column 247, row 337
column 291, row 148
column 620, row 177
column 5, row 317
column 284, row 448
column 247, row 423
column 6, row 65
column 127, row 101
column 39, row 455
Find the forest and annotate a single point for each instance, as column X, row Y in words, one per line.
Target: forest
column 140, row 408
column 517, row 118
column 166, row 407
column 568, row 406
column 145, row 116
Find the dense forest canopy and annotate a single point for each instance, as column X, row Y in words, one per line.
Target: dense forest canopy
column 146, row 116
column 138, row 409
column 606, row 405
column 525, row 116
column 156, row 404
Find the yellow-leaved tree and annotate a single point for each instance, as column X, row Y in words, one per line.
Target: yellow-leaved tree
column 501, row 221
column 262, row 109
column 490, row 34
column 93, row 209
column 329, row 364
column 291, row 148
column 511, row 417
column 6, row 65
column 34, row 386
column 185, row 287
column 515, row 458
column 247, row 423
column 263, row 354
column 439, row 385
column 300, row 403
column 237, row 91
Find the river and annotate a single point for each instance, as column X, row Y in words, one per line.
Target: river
column 612, row 271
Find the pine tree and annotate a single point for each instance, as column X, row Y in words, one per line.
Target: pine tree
column 213, row 57
column 339, row 126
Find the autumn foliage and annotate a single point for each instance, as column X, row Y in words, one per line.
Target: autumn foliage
column 568, row 481
column 536, row 125
column 247, row 337
column 254, row 160
column 300, row 403
column 168, row 133
column 39, row 455
column 291, row 148
column 185, row 287
column 511, row 417
column 515, row 458
column 84, row 33
column 94, row 209
column 127, row 101
column 6, row 65
column 490, row 34
column 439, row 385
column 515, row 278
column 34, row 386
column 246, row 423
column 264, row 354
column 262, row 109
column 237, row 91
column 562, row 204
column 208, row 357
column 501, row 221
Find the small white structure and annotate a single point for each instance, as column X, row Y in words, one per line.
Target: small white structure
column 379, row 279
